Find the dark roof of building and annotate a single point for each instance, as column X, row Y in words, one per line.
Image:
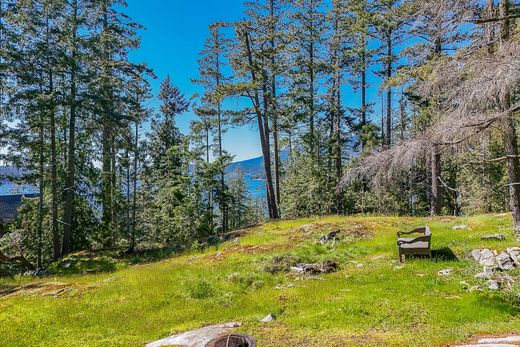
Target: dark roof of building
column 9, row 205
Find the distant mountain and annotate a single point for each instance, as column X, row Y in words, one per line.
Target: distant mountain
column 252, row 167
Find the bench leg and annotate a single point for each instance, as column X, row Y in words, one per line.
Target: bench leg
column 402, row 257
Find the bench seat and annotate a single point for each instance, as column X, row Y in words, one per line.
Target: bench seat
column 419, row 245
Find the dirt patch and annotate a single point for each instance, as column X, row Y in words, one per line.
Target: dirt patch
column 239, row 249
column 53, row 289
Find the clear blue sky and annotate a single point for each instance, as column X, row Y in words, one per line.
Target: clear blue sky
column 175, row 34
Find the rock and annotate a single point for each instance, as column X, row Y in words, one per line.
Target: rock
column 317, row 268
column 487, row 258
column 270, row 317
column 464, row 284
column 493, row 285
column 360, row 265
column 514, row 252
column 197, row 338
column 488, row 345
column 500, row 339
column 476, row 254
column 486, row 273
column 497, row 237
column 444, row 272
column 66, row 265
column 332, row 236
column 504, row 261
column 460, row 227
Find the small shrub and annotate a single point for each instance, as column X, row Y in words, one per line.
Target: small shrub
column 201, row 290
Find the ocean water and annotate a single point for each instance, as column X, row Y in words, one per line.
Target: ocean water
column 9, row 188
column 256, row 187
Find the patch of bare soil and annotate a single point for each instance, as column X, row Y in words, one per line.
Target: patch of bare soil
column 54, row 289
column 249, row 249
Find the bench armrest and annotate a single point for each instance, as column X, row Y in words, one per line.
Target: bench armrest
column 414, row 240
column 414, row 231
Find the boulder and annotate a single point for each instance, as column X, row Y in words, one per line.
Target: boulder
column 487, row 258
column 514, row 253
column 496, row 237
column 197, row 338
column 504, row 261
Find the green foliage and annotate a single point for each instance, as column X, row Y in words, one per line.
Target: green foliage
column 201, row 289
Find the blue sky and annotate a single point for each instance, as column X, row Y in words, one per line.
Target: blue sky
column 175, row 34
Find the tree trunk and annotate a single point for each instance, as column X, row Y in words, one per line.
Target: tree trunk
column 41, row 183
column 363, row 93
column 134, row 192
column 71, row 167
column 389, row 57
column 263, row 128
column 436, row 173
column 56, row 239
column 274, row 108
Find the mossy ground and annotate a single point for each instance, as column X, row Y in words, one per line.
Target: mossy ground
column 378, row 303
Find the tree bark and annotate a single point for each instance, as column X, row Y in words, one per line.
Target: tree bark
column 436, row 173
column 71, row 165
column 389, row 70
column 263, row 128
column 56, row 239
column 274, row 109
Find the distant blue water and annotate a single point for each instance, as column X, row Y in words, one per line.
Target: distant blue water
column 256, row 187
column 9, row 188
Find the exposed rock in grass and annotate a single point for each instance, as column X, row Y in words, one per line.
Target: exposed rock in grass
column 460, row 227
column 444, row 272
column 269, row 318
column 317, row 268
column 493, row 285
column 281, row 264
column 197, row 338
column 507, row 260
column 500, row 339
column 504, row 261
column 496, row 237
column 330, row 237
column 485, row 256
column 514, row 253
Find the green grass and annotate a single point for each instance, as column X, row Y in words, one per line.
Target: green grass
column 377, row 304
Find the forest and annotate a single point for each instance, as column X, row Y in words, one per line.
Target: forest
column 394, row 107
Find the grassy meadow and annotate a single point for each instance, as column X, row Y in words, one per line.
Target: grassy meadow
column 371, row 301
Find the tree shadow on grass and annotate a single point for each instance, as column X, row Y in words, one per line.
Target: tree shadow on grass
column 441, row 254
column 444, row 254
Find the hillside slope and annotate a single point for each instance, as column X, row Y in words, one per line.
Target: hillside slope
column 371, row 300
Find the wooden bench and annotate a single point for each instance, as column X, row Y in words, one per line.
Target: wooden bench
column 419, row 245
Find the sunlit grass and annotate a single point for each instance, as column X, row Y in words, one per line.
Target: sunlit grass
column 372, row 300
